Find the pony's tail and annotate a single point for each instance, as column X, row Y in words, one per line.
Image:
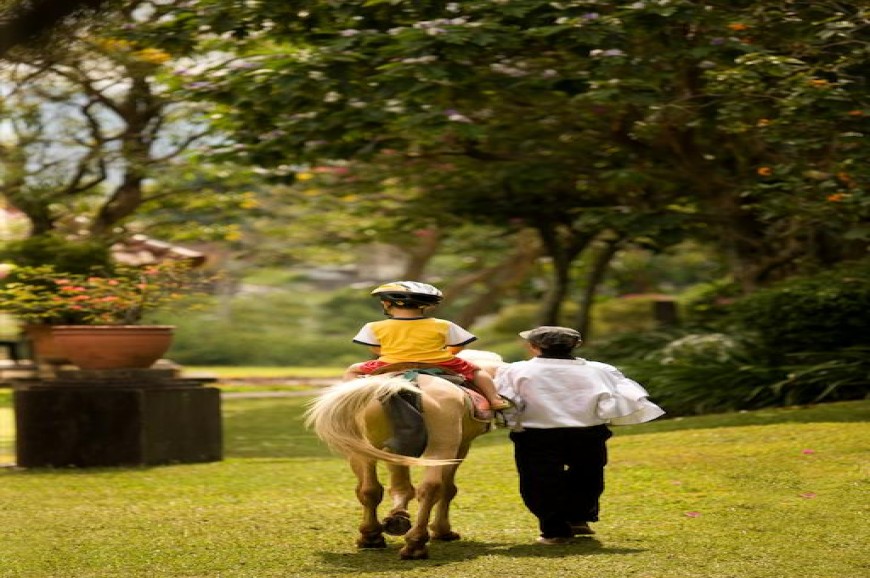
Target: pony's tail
column 336, row 417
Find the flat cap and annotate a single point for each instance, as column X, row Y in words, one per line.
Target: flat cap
column 548, row 336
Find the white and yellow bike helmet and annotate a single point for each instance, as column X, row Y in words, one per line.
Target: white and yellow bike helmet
column 408, row 294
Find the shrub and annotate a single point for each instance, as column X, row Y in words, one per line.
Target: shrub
column 65, row 256
column 216, row 342
column 347, row 310
column 630, row 347
column 716, row 373
column 825, row 376
column 708, row 386
column 707, row 303
column 821, row 313
column 626, row 314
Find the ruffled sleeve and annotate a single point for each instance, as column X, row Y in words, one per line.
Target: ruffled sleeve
column 628, row 403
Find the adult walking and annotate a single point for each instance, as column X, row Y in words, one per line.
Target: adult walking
column 563, row 405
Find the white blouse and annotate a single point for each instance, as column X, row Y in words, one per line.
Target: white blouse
column 551, row 393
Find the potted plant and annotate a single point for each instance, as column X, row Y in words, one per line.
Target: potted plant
column 96, row 319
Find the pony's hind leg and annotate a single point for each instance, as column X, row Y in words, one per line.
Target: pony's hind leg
column 440, row 526
column 429, row 492
column 369, row 492
column 398, row 521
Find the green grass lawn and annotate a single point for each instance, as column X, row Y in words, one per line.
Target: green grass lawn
column 770, row 494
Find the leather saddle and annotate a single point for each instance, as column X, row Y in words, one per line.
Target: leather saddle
column 405, row 410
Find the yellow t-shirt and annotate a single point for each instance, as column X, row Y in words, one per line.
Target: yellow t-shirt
column 422, row 339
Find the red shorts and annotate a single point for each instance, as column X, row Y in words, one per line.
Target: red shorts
column 458, row 365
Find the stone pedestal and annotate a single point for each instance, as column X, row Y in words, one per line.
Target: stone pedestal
column 101, row 418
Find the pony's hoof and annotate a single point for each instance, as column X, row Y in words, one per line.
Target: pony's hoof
column 397, row 524
column 447, row 537
column 414, row 553
column 371, row 543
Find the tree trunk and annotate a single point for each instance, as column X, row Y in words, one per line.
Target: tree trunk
column 499, row 280
column 419, row 254
column 563, row 253
column 593, row 281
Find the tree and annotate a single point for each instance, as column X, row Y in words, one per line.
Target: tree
column 25, row 22
column 741, row 115
column 88, row 127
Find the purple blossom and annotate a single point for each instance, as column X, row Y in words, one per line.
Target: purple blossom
column 242, row 65
column 200, row 85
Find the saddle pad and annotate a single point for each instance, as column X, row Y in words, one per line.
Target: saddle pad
column 479, row 406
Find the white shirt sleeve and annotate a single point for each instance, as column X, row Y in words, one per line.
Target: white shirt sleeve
column 457, row 335
column 507, row 387
column 629, row 403
column 366, row 336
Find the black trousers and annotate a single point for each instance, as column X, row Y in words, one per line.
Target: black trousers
column 561, row 473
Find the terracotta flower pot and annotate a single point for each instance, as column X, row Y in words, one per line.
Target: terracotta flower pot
column 43, row 348
column 113, row 346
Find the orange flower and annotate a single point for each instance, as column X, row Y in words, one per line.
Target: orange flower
column 152, row 55
column 765, row 171
column 819, row 82
column 738, row 26
column 855, row 113
column 763, row 122
column 836, row 197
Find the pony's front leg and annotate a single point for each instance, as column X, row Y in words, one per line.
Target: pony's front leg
column 398, row 521
column 429, row 492
column 369, row 492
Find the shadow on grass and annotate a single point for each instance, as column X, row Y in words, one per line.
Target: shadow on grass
column 441, row 553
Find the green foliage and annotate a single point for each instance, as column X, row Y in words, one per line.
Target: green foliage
column 708, row 373
column 65, row 256
column 513, row 319
column 708, row 385
column 347, row 310
column 122, row 295
column 204, row 342
column 629, row 347
column 825, row 376
column 746, row 132
column 707, row 303
column 827, row 311
column 275, row 328
column 627, row 314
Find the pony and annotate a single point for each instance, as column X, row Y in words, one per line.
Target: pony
column 351, row 418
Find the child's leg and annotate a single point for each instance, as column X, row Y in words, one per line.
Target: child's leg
column 486, row 386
